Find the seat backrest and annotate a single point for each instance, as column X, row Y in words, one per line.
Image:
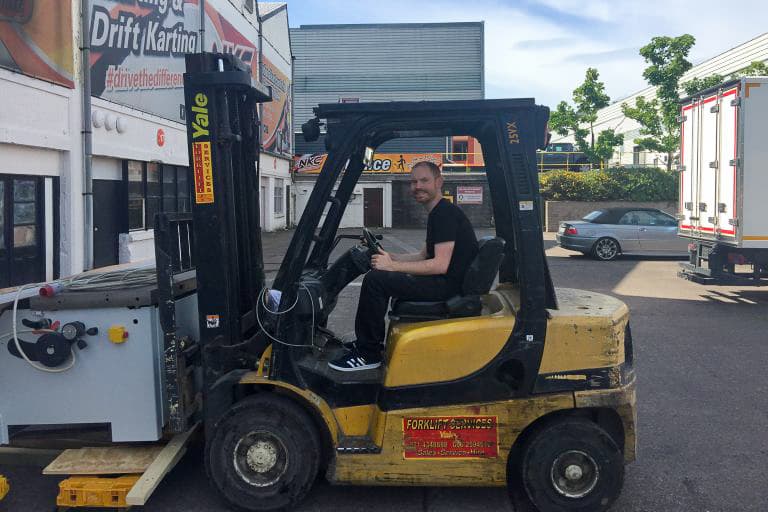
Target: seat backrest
column 483, row 269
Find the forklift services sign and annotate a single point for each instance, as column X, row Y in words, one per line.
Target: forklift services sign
column 450, row 437
column 201, row 156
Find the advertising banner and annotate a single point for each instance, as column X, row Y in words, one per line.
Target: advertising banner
column 36, row 39
column 276, row 134
column 309, row 163
column 138, row 47
column 382, row 162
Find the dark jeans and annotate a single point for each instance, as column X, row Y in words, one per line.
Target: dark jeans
column 378, row 287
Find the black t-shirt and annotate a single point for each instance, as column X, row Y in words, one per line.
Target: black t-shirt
column 447, row 223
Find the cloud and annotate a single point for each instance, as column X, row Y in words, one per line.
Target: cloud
column 544, row 44
column 594, row 58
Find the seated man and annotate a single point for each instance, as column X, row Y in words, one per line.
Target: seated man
column 434, row 273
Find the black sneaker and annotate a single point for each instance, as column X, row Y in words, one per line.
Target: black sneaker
column 354, row 361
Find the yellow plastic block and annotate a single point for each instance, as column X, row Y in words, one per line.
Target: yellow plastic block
column 4, row 487
column 117, row 334
column 92, row 491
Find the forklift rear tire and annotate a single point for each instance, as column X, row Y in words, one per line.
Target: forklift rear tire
column 264, row 453
column 572, row 465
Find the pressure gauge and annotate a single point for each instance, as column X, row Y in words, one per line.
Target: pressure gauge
column 73, row 330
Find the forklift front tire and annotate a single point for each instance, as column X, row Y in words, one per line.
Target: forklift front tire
column 572, row 465
column 264, row 454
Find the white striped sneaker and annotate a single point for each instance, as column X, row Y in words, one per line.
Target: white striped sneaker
column 354, row 361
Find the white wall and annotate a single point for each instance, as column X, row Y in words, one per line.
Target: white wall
column 126, row 133
column 353, row 214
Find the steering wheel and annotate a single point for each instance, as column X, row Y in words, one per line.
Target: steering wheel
column 371, row 242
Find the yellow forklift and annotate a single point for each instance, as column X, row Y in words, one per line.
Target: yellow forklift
column 522, row 385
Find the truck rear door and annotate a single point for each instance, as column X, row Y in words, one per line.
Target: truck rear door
column 708, row 159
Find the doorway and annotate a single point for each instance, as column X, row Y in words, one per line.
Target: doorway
column 22, row 237
column 373, row 207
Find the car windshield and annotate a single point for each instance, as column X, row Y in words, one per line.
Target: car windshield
column 592, row 215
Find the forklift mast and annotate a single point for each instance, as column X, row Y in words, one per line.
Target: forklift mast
column 223, row 139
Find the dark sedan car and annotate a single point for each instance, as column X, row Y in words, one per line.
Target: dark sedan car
column 609, row 232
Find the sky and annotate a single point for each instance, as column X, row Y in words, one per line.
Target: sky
column 542, row 48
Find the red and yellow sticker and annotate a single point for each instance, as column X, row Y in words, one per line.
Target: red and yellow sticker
column 203, row 167
column 450, row 437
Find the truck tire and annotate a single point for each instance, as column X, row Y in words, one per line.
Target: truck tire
column 264, row 454
column 606, row 249
column 571, row 465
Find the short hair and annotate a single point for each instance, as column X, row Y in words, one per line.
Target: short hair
column 432, row 166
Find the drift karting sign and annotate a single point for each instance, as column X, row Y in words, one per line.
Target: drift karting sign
column 138, row 47
column 450, row 437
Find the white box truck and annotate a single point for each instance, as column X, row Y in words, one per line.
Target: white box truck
column 724, row 183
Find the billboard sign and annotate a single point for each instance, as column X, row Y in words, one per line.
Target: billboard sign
column 36, row 39
column 138, row 47
column 382, row 162
column 276, row 136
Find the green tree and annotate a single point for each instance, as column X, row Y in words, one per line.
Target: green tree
column 667, row 59
column 696, row 85
column 755, row 68
column 588, row 99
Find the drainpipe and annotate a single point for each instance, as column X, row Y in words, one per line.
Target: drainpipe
column 202, row 26
column 259, row 55
column 85, row 36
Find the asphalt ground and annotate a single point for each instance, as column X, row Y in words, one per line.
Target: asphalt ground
column 701, row 357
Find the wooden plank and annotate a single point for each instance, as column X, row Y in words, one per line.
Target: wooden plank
column 161, row 466
column 104, row 461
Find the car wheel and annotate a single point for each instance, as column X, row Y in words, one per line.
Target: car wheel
column 606, row 249
column 572, row 465
column 264, row 454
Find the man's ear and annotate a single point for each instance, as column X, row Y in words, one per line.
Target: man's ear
column 439, row 182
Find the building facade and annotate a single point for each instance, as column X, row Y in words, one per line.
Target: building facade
column 611, row 117
column 134, row 118
column 385, row 62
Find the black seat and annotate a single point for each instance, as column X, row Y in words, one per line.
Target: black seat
column 477, row 281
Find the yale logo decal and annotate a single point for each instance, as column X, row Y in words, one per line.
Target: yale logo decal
column 512, row 132
column 200, row 112
column 202, row 161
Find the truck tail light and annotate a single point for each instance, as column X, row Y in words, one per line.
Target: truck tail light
column 570, row 230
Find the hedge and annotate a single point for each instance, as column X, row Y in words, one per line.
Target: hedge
column 612, row 184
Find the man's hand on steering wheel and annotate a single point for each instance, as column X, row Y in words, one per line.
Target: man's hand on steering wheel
column 370, row 240
column 382, row 261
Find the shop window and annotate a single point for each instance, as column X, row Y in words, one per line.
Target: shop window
column 154, row 188
column 136, row 194
column 24, row 213
column 279, row 196
column 460, row 150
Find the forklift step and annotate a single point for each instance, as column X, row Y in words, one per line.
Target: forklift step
column 319, row 366
column 357, row 444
